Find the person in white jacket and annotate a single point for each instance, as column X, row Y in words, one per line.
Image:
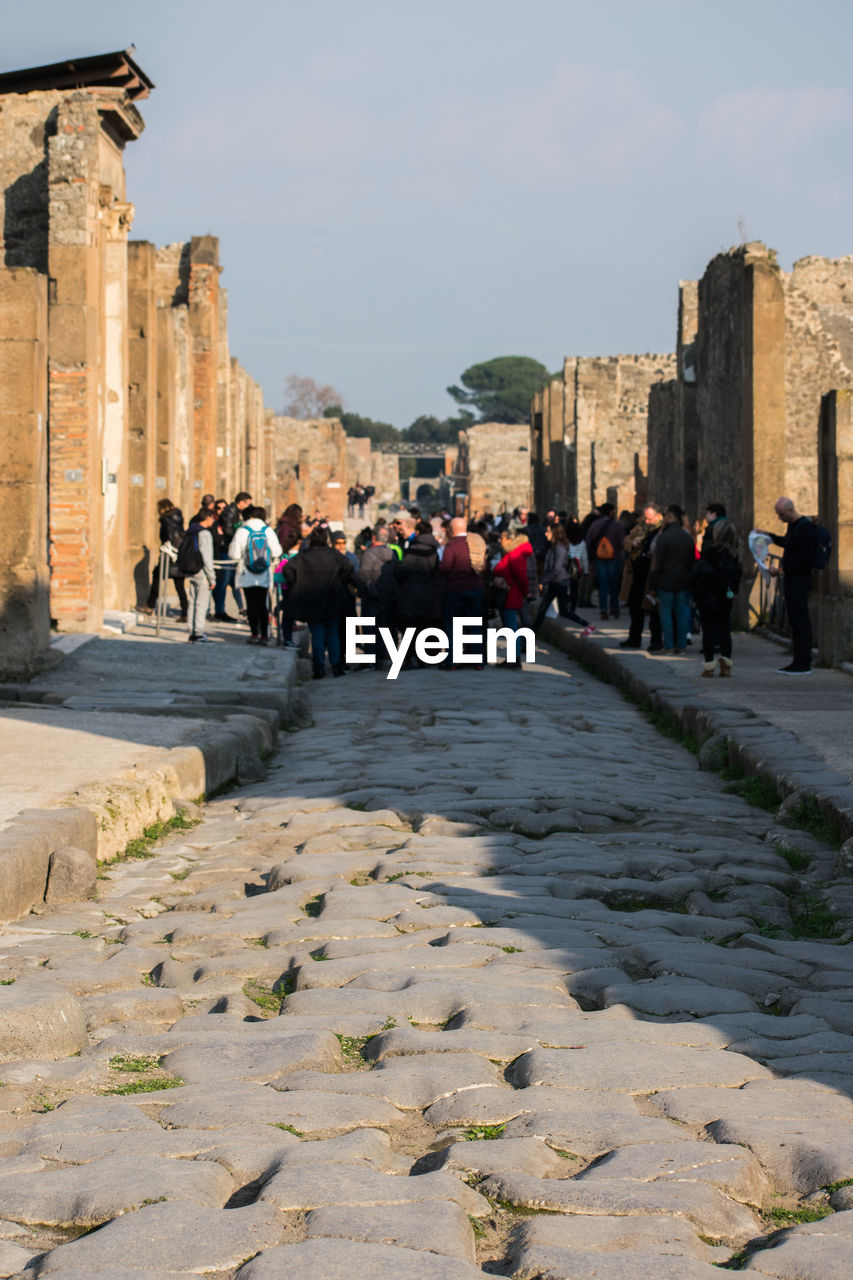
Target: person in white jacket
column 256, row 549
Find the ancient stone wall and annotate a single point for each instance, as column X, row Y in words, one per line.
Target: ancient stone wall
column 818, row 357
column 672, row 418
column 143, row 398
column 608, row 426
column 496, row 459
column 24, row 586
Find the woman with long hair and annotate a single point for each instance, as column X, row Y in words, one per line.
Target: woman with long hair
column 714, row 582
column 561, row 574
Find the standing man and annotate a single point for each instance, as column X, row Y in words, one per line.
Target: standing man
column 673, row 557
column 604, row 542
column 638, row 551
column 195, row 559
column 801, row 542
column 463, row 585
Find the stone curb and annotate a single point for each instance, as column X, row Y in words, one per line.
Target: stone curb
column 102, row 817
column 725, row 731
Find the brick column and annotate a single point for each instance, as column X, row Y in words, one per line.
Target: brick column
column 74, row 370
column 24, row 585
column 204, row 331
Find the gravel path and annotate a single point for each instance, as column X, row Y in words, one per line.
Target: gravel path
column 553, row 1004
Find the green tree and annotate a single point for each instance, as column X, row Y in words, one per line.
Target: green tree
column 379, row 432
column 500, row 389
column 430, row 430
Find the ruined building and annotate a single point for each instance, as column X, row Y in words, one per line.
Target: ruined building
column 491, row 467
column 589, row 432
column 761, row 406
column 117, row 386
column 766, row 345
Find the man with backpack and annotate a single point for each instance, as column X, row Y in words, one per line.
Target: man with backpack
column 803, row 553
column 256, row 549
column 604, row 541
column 195, row 563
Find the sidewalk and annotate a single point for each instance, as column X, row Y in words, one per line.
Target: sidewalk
column 103, row 745
column 797, row 731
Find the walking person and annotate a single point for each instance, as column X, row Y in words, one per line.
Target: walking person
column 195, row 560
column 560, row 572
column 801, row 541
column 256, row 548
column 714, row 581
column 172, row 533
column 317, row 581
column 673, row 557
column 224, row 573
column 605, row 540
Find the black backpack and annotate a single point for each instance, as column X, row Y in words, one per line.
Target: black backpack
column 190, row 559
column 824, row 547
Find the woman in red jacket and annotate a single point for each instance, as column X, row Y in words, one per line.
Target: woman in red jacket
column 514, row 567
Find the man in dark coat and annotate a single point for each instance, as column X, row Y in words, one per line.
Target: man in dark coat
column 317, row 581
column 673, row 557
column 418, row 585
column 375, row 579
column 801, row 541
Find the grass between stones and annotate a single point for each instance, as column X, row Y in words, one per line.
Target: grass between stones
column 288, row 1128
column 263, row 995
column 352, row 1051
column 483, row 1132
column 143, row 846
column 787, row 1217
column 143, row 1067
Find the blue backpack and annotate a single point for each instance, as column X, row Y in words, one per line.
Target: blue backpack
column 256, row 554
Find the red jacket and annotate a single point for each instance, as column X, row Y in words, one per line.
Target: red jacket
column 513, row 568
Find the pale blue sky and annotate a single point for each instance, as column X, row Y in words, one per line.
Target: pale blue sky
column 401, row 189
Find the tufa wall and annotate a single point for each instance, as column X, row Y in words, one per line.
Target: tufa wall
column 835, row 496
column 316, row 463
column 492, row 466
column 672, row 418
column 589, row 432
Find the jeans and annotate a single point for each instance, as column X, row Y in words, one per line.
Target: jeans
column 224, row 580
column 463, row 604
column 560, row 592
column 257, row 611
column 797, row 587
column 324, row 636
column 199, row 601
column 674, row 605
column 609, row 575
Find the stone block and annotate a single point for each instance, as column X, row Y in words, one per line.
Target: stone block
column 72, row 876
column 39, row 1019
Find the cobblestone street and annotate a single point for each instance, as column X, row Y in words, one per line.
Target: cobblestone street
column 485, row 977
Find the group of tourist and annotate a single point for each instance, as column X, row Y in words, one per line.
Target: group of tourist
column 414, row 572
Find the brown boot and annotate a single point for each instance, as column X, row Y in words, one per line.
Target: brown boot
column 707, row 670
column 725, row 666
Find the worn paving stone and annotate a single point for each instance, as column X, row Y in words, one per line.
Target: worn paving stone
column 334, row 1184
column 642, row 1070
column 306, row 1110
column 341, row 1260
column 172, row 1238
column 87, row 1195
column 706, row 1208
column 436, row 1227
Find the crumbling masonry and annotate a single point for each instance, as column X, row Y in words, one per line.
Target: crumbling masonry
column 117, row 386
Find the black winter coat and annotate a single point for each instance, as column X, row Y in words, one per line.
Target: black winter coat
column 317, row 579
column 418, row 587
column 712, row 576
